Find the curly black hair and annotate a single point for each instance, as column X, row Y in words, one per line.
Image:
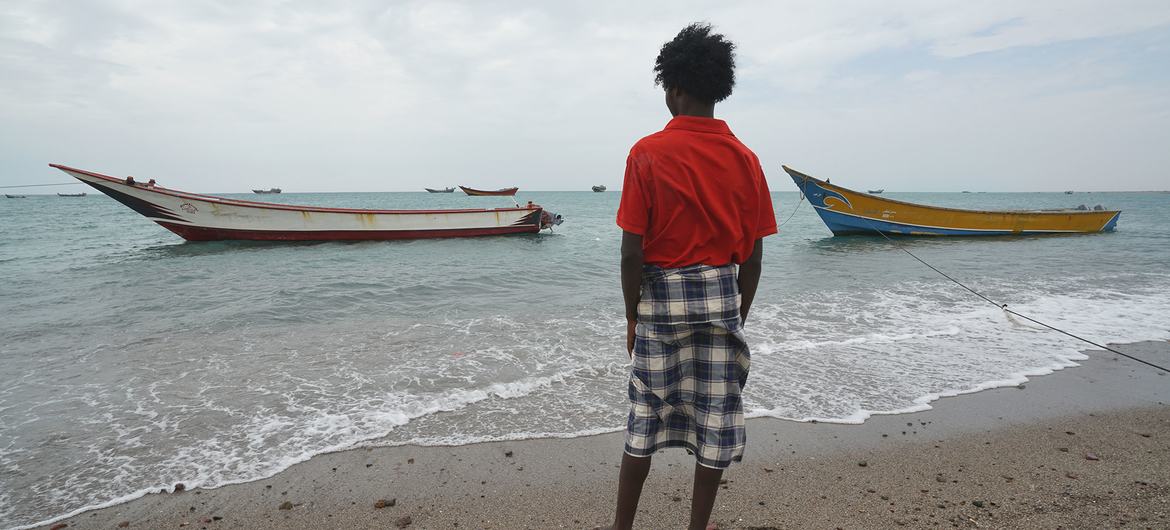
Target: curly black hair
column 699, row 62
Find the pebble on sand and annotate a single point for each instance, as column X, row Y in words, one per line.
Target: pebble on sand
column 179, row 486
column 59, row 526
column 508, row 454
column 862, row 463
column 123, row 524
column 286, row 505
column 383, row 503
column 403, row 522
column 1092, row 456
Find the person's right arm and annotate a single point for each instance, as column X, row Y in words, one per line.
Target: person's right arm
column 749, row 279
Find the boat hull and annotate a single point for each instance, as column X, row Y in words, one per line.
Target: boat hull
column 506, row 192
column 847, row 212
column 206, row 218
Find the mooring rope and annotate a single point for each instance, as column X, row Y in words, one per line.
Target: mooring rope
column 1004, row 307
column 793, row 214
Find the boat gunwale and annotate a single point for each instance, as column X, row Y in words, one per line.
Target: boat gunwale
column 278, row 206
column 822, row 183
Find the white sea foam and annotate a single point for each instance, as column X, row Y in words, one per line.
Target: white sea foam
column 819, row 356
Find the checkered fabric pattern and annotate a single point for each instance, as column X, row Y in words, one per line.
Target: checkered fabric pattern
column 690, row 365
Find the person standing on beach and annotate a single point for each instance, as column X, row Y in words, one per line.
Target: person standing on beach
column 694, row 208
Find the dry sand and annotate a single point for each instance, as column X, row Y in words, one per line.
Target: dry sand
column 1086, row 447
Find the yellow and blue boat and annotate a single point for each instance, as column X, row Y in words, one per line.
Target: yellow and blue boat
column 848, row 212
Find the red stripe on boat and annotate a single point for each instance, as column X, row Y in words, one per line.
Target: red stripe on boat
column 196, row 233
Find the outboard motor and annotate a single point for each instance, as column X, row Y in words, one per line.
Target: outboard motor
column 549, row 219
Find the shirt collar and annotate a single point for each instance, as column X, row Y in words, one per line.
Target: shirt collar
column 695, row 123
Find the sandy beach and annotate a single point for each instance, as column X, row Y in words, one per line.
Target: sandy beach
column 1085, row 447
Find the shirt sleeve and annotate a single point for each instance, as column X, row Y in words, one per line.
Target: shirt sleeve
column 634, row 209
column 766, row 225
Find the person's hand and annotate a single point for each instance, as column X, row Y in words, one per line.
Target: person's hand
column 631, row 326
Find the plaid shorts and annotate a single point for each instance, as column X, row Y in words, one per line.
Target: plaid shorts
column 690, row 365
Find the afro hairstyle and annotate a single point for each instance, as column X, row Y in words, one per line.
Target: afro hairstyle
column 698, row 62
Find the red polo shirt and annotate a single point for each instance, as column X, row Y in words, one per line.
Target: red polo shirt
column 696, row 195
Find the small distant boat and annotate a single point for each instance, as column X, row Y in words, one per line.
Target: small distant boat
column 16, row 196
column 444, row 190
column 599, row 188
column 507, row 192
column 1069, row 192
column 878, row 191
column 965, row 191
column 848, row 212
column 82, row 194
column 267, row 191
column 197, row 217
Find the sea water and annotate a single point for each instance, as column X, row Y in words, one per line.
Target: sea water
column 130, row 360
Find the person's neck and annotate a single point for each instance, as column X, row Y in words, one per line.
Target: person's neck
column 697, row 110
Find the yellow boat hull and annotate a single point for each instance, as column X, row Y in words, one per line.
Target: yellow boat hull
column 847, row 212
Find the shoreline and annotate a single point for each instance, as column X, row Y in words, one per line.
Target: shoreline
column 521, row 483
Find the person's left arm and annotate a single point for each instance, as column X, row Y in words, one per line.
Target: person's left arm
column 632, row 260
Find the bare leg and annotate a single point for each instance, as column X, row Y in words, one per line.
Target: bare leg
column 630, row 480
column 703, row 496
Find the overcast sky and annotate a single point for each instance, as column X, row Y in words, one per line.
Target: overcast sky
column 391, row 96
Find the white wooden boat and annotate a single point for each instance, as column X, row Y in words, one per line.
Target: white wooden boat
column 197, row 217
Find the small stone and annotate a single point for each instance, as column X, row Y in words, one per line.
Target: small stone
column 1062, row 449
column 286, row 505
column 676, row 498
column 722, row 481
column 761, row 503
column 409, row 460
column 1091, row 456
column 768, row 470
column 367, row 465
column 180, row 487
column 940, row 478
column 863, row 463
column 1144, row 434
column 403, row 522
column 216, row 518
column 1071, row 475
column 123, row 524
column 885, row 497
column 383, row 503
column 1070, row 433
column 1020, row 386
column 508, row 454
column 59, row 526
column 978, row 504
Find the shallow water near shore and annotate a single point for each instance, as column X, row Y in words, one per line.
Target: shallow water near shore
column 133, row 361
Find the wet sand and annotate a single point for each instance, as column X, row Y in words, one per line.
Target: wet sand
column 1086, row 447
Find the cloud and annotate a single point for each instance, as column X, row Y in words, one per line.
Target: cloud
column 394, row 96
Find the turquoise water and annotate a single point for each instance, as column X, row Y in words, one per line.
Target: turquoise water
column 132, row 360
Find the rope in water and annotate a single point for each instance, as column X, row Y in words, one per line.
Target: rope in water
column 793, row 211
column 1005, row 306
column 37, row 185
